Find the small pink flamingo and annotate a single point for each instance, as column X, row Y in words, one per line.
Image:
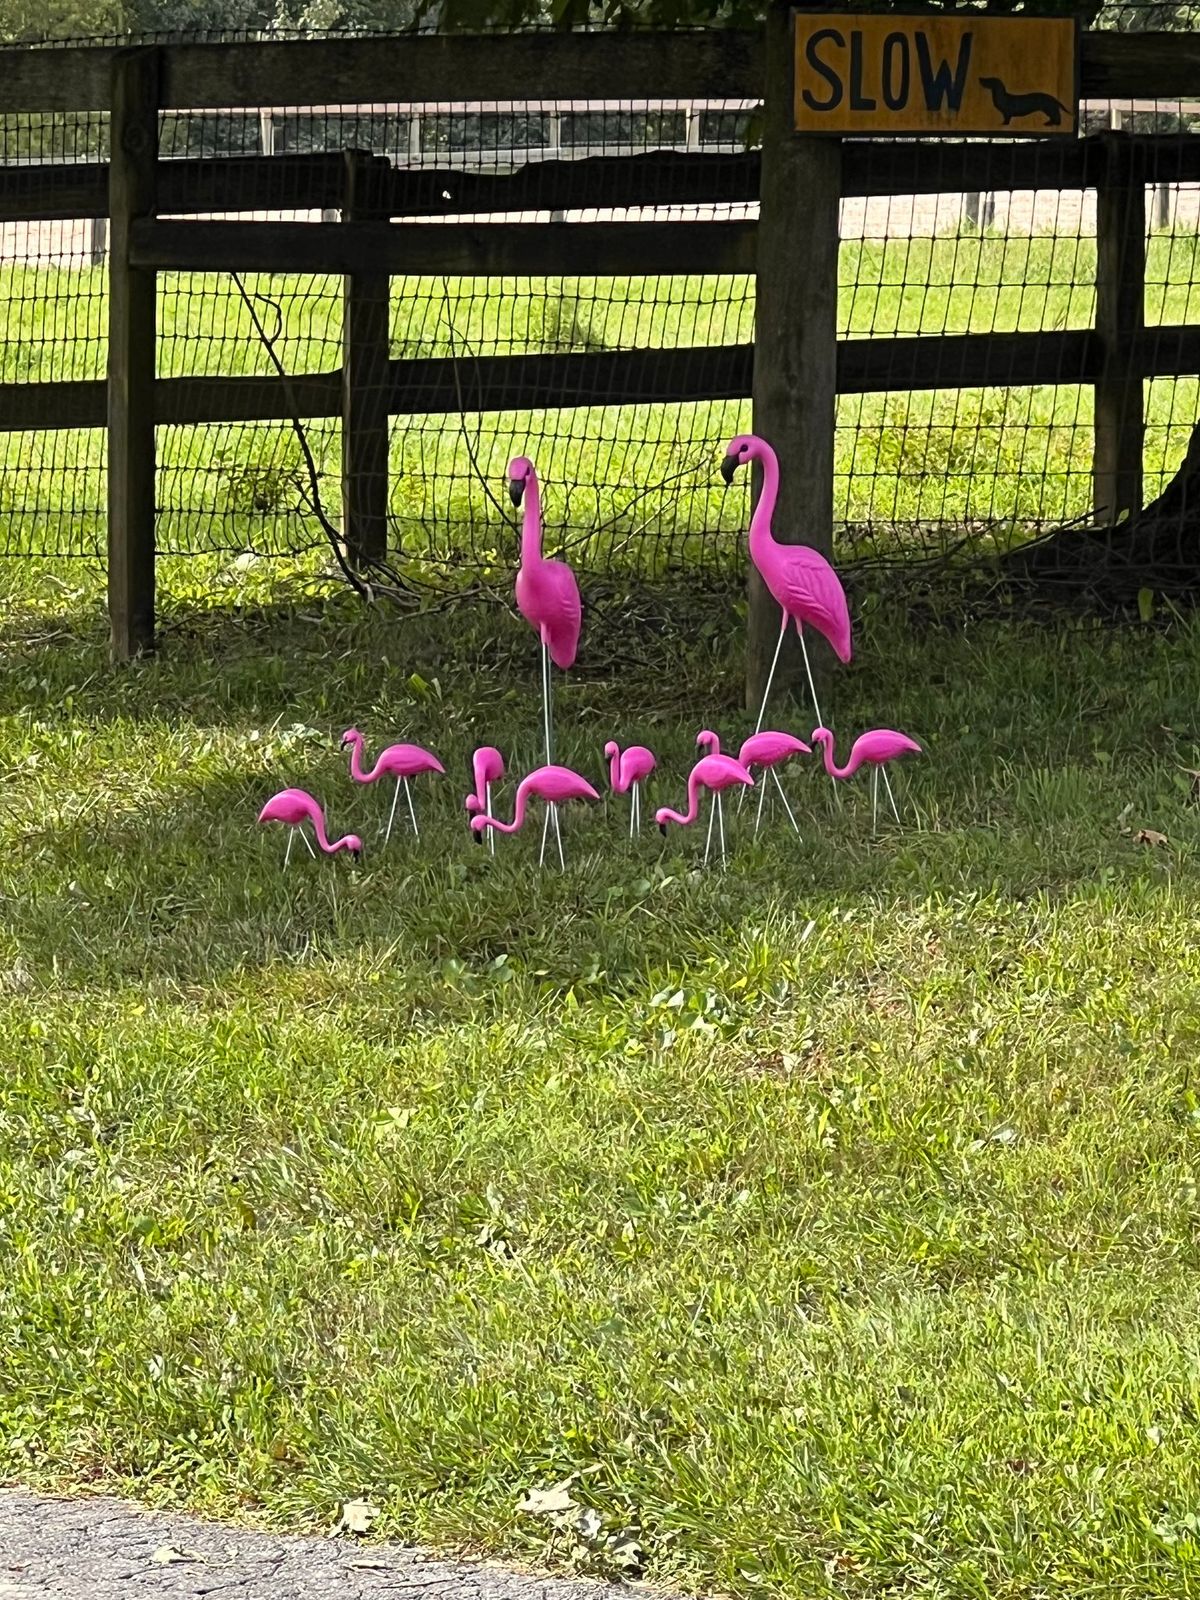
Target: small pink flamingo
column 706, row 739
column 487, row 768
column 401, row 761
column 295, row 807
column 770, row 750
column 805, row 585
column 552, row 784
column 714, row 773
column 874, row 749
column 627, row 771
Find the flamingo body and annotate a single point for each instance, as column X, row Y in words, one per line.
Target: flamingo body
column 546, row 591
column 487, row 767
column 396, row 761
column 770, row 749
column 713, row 773
column 873, row 749
column 552, row 784
column 799, row 577
column 295, row 807
column 629, row 766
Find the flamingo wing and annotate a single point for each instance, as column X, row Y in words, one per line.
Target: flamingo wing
column 562, row 618
column 811, row 591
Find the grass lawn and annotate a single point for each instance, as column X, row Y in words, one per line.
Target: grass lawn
column 834, row 1218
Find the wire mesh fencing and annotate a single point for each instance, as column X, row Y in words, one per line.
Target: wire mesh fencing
column 631, row 491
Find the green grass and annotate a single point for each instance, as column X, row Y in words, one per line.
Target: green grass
column 1001, row 458
column 833, row 1217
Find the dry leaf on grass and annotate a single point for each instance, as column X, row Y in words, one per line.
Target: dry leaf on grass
column 1150, row 837
column 357, row 1517
column 548, row 1502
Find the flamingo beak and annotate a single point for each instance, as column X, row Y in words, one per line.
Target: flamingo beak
column 516, row 490
column 662, row 828
column 477, row 835
column 728, row 467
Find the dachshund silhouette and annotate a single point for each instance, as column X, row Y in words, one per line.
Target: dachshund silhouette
column 1011, row 105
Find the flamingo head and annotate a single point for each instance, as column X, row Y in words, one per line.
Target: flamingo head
column 473, row 803
column 822, row 736
column 354, row 846
column 706, row 739
column 351, row 736
column 520, row 470
column 611, row 750
column 741, row 450
column 477, row 824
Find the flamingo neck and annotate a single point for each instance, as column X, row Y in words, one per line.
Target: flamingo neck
column 356, row 766
column 614, row 771
column 831, row 766
column 480, row 781
column 318, row 822
column 761, row 536
column 518, row 813
column 693, row 810
column 531, row 522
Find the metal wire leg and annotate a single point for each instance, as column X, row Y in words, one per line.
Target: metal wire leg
column 721, row 826
column 411, row 812
column 308, row 843
column 762, row 710
column 545, row 836
column 287, row 854
column 762, row 795
column 786, row 807
column 887, row 782
column 712, row 817
column 874, row 801
column 558, row 837
column 487, row 795
column 547, row 720
column 811, row 686
column 387, row 832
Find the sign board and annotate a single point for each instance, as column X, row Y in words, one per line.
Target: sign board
column 879, row 73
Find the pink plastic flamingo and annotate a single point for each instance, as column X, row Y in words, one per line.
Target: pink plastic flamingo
column 627, row 770
column 399, row 761
column 547, row 597
column 706, row 739
column 805, row 585
column 295, row 807
column 549, row 783
column 874, row 749
column 713, row 773
column 487, row 768
column 769, row 750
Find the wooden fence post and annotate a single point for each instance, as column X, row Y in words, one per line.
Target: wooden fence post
column 795, row 347
column 1120, row 319
column 132, row 184
column 366, row 352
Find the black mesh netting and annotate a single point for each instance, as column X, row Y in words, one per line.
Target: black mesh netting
column 630, row 489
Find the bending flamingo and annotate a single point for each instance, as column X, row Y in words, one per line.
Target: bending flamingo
column 874, row 749
column 805, row 585
column 714, row 773
column 295, row 807
column 399, row 761
column 768, row 751
column 487, row 768
column 549, row 783
column 627, row 770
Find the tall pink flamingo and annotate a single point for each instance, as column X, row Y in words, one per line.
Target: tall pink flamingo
column 714, row 773
column 874, row 749
column 547, row 594
column 770, row 750
column 295, row 807
column 552, row 784
column 399, row 761
column 487, row 768
column 805, row 585
column 628, row 769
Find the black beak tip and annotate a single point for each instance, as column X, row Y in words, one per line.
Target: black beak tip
column 516, row 490
column 662, row 828
column 477, row 835
column 728, row 467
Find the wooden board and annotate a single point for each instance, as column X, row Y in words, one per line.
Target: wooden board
column 886, row 74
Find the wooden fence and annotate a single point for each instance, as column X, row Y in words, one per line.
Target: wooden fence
column 792, row 372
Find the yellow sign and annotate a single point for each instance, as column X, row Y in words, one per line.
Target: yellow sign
column 887, row 74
